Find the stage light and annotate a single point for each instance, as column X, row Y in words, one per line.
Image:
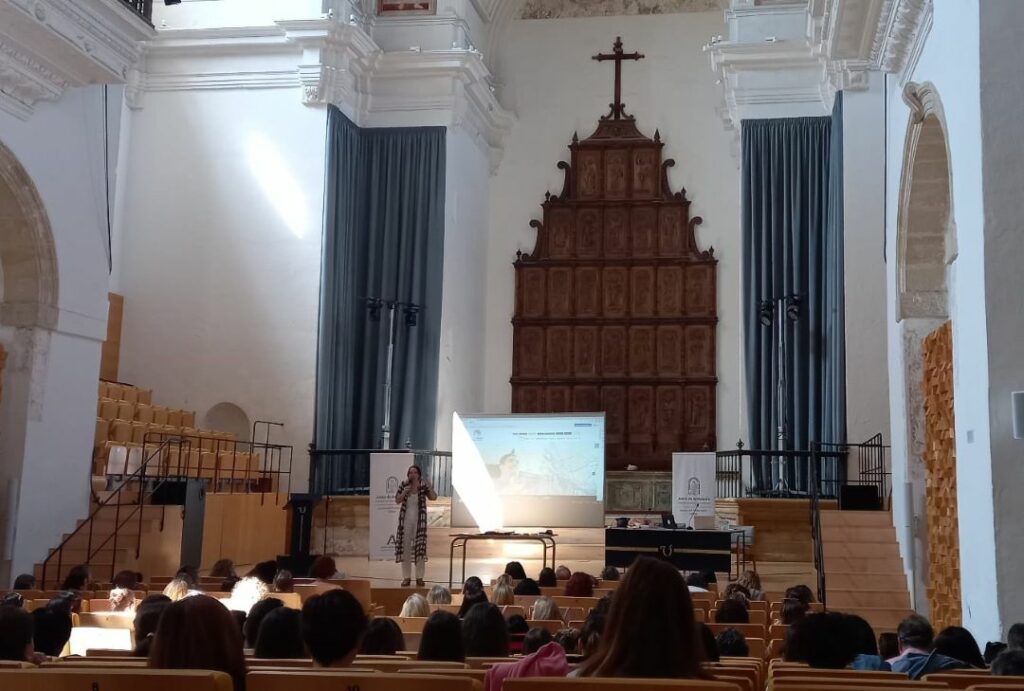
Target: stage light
column 765, row 313
column 472, row 481
column 411, row 312
column 793, row 307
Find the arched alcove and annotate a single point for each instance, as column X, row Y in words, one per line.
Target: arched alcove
column 228, row 417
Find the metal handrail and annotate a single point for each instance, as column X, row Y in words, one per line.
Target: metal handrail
column 816, row 536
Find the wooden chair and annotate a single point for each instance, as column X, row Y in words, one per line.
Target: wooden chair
column 340, row 679
column 778, row 631
column 817, row 684
column 749, row 672
column 292, row 600
column 484, row 662
column 107, row 620
column 594, row 684
column 296, row 663
column 14, row 664
column 122, row 663
column 85, row 638
column 410, row 624
column 748, row 630
column 452, row 609
column 88, row 678
column 404, row 665
column 995, row 685
column 513, row 610
column 476, row 674
column 551, row 625
column 970, row 678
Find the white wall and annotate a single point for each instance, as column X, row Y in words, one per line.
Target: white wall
column 219, row 258
column 950, row 61
column 555, row 89
column 47, row 416
column 232, row 13
column 461, row 365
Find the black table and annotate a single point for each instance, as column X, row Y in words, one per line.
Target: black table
column 462, row 540
column 687, row 550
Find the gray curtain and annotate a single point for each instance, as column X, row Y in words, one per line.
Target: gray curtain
column 383, row 238
column 792, row 224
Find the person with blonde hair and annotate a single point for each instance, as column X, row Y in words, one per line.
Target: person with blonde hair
column 752, row 582
column 415, row 606
column 246, row 593
column 178, row 589
column 545, row 609
column 439, row 595
column 503, row 578
column 503, row 595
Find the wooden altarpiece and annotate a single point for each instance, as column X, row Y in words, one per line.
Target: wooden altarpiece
column 615, row 309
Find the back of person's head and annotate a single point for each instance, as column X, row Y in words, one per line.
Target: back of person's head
column 247, row 593
column 888, row 645
column 469, row 601
column 25, row 581
column 323, row 568
column 731, row 611
column 793, row 610
column 915, row 632
column 383, row 637
column 527, row 586
column 707, row 639
column 517, row 625
column 569, row 639
column 610, row 573
column 515, row 570
column 16, row 634
column 820, row 640
column 562, row 573
column 223, row 568
column 732, row 643
column 52, row 630
column 280, row 635
column 958, row 643
column 1009, row 663
column 439, row 595
column 696, row 580
column 799, row 592
column 651, row 630
column 750, row 580
column 591, row 632
column 546, row 578
column 484, row 632
column 333, row 623
column 580, row 584
column 992, row 651
column 709, row 576
column 128, row 580
column 147, row 618
column 177, row 589
column 265, row 571
column 535, row 639
column 12, row 599
column 122, row 600
column 736, row 589
column 860, row 635
column 472, row 586
column 261, row 609
column 189, row 574
column 77, row 578
column 69, row 601
column 284, row 582
column 503, row 595
column 1015, row 637
column 604, row 605
column 441, row 639
column 415, row 606
column 199, row 633
column 546, row 609
column 503, row 578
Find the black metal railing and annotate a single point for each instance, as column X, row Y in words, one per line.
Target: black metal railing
column 339, row 472
column 769, row 473
column 818, row 544
column 143, row 8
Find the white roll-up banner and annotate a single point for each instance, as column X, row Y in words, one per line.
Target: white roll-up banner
column 693, row 487
column 387, row 471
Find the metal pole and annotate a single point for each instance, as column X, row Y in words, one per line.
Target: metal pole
column 385, row 429
column 780, row 401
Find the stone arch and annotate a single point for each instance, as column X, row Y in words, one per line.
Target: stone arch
column 28, row 255
column 229, row 417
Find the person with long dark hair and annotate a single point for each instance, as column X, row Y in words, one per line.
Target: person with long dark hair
column 485, row 632
column 441, row 640
column 651, row 630
column 199, row 633
column 411, row 541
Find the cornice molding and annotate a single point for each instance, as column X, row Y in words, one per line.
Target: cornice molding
column 48, row 46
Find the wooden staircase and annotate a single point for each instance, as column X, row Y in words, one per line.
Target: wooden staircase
column 863, row 568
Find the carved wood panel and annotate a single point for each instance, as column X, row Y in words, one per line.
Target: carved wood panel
column 616, row 307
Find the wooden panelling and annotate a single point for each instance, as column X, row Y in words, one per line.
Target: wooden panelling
column 940, row 493
column 110, row 354
column 616, row 305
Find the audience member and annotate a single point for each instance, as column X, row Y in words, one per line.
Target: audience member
column 610, row 573
column 590, row 634
column 502, row 595
column 731, row 611
column 515, row 570
column 177, row 589
column 651, row 631
column 958, row 643
column 548, row 661
column 580, row 584
column 562, row 573
column 265, row 571
column 69, row 601
column 16, row 632
column 695, row 583
column 223, row 568
column 484, row 632
column 383, row 637
column 251, row 628
column 190, row 574
column 527, row 586
column 323, row 569
column 517, row 625
column 737, row 589
column 122, row 600
column 1009, row 663
column 863, row 645
column 502, row 579
column 240, row 619
column 888, row 645
column 129, row 580
column 199, row 633
column 25, row 581
column 707, row 639
column 77, row 579
column 415, row 606
column 709, row 576
column 52, row 630
column 793, row 610
column 547, row 578
column 917, row 657
column 535, row 639
column 799, row 592
column 246, row 593
column 732, row 643
column 441, row 639
column 147, row 617
column 569, row 639
column 992, row 650
column 284, row 582
column 472, row 594
column 819, row 639
column 1015, row 637
column 333, row 624
column 545, row 609
column 439, row 595
column 752, row 582
column 280, row 635
column 12, row 599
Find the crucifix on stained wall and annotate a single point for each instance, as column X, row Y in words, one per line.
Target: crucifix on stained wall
column 618, row 56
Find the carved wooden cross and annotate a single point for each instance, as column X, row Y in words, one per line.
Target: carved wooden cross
column 618, row 109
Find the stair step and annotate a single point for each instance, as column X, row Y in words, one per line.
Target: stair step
column 882, row 550
column 856, row 518
column 855, row 565
column 871, row 581
column 882, row 619
column 855, row 599
column 861, row 534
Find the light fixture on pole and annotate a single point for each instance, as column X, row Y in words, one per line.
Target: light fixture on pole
column 374, row 307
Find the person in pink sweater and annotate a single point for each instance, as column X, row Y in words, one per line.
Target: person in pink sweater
column 548, row 661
